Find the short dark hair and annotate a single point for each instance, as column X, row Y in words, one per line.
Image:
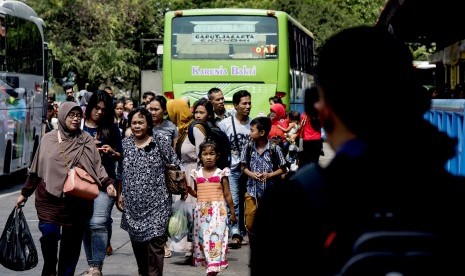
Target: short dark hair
column 262, row 123
column 240, row 94
column 148, row 93
column 68, row 86
column 213, row 90
column 144, row 112
column 276, row 99
column 395, row 73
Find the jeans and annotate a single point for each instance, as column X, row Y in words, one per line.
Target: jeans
column 234, row 229
column 70, row 247
column 96, row 234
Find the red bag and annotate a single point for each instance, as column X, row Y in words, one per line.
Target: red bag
column 80, row 184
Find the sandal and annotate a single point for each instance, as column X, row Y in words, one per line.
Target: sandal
column 109, row 250
column 167, row 253
column 236, row 243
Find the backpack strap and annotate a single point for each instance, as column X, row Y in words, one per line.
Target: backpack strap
column 273, row 155
column 204, row 128
column 248, row 153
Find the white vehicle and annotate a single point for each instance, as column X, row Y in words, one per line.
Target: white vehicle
column 23, row 84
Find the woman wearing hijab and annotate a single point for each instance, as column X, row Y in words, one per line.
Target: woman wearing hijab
column 181, row 115
column 278, row 118
column 63, row 218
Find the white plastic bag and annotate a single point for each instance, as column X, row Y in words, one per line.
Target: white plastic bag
column 180, row 220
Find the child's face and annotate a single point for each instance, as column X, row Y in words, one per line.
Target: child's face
column 272, row 115
column 209, row 157
column 255, row 134
column 119, row 109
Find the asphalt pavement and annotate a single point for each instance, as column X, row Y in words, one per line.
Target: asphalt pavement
column 122, row 261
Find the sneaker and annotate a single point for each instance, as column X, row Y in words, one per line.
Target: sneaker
column 94, row 271
column 89, row 271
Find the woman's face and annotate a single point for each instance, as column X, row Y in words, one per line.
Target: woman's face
column 200, row 113
column 119, row 110
column 139, row 126
column 98, row 112
column 73, row 120
column 157, row 112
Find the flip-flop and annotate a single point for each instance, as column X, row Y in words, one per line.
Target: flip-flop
column 235, row 244
column 167, row 253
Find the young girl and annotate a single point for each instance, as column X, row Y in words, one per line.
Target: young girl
column 210, row 213
column 293, row 128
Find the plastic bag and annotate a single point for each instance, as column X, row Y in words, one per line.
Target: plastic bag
column 17, row 249
column 180, row 220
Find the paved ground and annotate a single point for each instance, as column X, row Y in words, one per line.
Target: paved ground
column 122, row 262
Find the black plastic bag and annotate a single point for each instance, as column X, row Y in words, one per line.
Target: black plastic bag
column 17, row 249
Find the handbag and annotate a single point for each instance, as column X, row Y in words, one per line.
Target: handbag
column 17, row 249
column 78, row 182
column 175, row 178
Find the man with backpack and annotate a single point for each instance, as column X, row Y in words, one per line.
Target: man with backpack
column 411, row 207
column 237, row 128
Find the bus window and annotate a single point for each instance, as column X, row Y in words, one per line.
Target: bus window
column 224, row 37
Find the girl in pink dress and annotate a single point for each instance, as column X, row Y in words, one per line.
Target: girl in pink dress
column 210, row 212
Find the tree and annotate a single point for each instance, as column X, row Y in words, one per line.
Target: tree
column 100, row 40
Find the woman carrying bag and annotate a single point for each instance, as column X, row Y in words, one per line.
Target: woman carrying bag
column 62, row 219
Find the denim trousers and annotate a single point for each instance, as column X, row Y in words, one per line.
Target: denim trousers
column 96, row 234
column 234, row 229
column 70, row 247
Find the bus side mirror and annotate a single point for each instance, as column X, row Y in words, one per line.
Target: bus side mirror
column 56, row 69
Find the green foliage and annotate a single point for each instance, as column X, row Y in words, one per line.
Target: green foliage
column 99, row 39
column 422, row 52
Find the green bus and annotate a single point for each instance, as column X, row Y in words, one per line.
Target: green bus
column 265, row 52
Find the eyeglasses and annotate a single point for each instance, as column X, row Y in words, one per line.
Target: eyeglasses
column 74, row 115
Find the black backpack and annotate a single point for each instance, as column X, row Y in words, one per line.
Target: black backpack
column 221, row 139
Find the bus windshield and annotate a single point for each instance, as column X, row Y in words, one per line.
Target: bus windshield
column 224, row 37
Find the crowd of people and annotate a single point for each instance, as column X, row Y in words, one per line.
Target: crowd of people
column 273, row 180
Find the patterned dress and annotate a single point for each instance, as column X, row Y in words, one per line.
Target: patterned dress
column 210, row 222
column 147, row 202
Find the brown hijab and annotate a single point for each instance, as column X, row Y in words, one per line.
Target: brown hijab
column 78, row 147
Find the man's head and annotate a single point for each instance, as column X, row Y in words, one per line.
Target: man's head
column 215, row 95
column 242, row 101
column 350, row 98
column 109, row 91
column 69, row 91
column 147, row 97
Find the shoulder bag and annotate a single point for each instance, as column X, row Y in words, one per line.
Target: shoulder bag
column 78, row 183
column 175, row 178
